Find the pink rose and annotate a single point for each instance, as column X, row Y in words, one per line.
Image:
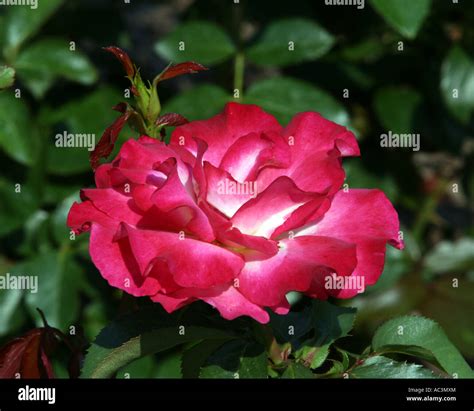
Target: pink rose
column 236, row 211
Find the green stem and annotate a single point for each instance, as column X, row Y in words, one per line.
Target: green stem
column 239, row 68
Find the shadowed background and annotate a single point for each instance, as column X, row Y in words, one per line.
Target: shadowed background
column 407, row 70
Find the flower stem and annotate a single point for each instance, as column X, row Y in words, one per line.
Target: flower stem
column 239, row 68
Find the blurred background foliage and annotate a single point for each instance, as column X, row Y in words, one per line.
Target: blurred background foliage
column 395, row 65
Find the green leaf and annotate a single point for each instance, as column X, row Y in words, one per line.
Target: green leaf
column 237, row 359
column 254, row 362
column 199, row 41
column 397, row 108
column 148, row 331
column 450, row 257
column 202, row 101
column 292, row 326
column 403, row 333
column 450, row 298
column 405, row 16
column 195, row 357
column 36, row 234
column 15, row 207
column 291, row 41
column 23, row 22
column 457, row 83
column 11, row 318
column 225, row 362
column 141, row 368
column 59, row 283
column 61, row 231
column 297, row 371
column 337, row 368
column 42, row 62
column 284, row 97
column 7, row 77
column 17, row 136
column 330, row 322
column 367, row 50
column 90, row 115
column 383, row 367
column 168, row 364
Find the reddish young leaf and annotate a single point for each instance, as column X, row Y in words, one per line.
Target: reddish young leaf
column 28, row 355
column 107, row 141
column 123, row 58
column 120, row 107
column 179, row 69
column 171, row 119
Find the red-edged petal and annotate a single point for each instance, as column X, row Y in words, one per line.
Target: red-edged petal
column 145, row 153
column 316, row 145
column 192, row 263
column 367, row 219
column 311, row 131
column 115, row 260
column 254, row 151
column 116, row 205
column 172, row 303
column 225, row 298
column 272, row 208
column 232, row 304
column 222, row 130
column 225, row 193
column 299, row 261
column 172, row 194
column 82, row 215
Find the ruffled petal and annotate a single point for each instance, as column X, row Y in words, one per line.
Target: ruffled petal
column 299, row 261
column 250, row 153
column 222, row 130
column 272, row 208
column 365, row 218
column 192, row 263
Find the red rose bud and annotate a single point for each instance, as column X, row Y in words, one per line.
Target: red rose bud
column 171, row 119
column 124, row 59
column 187, row 67
column 107, row 141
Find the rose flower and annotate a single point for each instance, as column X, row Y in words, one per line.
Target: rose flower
column 236, row 211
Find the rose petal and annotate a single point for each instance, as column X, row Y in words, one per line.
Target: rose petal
column 367, row 219
column 222, row 130
column 299, row 261
column 272, row 207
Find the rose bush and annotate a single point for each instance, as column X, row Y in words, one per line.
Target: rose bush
column 236, row 211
